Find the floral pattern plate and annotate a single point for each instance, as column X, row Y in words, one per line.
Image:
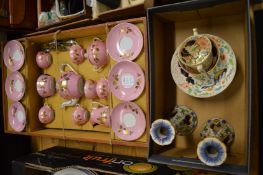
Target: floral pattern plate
column 17, row 116
column 128, row 121
column 124, row 42
column 126, row 80
column 14, row 55
column 15, row 86
column 199, row 85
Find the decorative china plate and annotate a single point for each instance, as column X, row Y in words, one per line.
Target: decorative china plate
column 140, row 168
column 126, row 80
column 124, row 42
column 15, row 86
column 75, row 171
column 17, row 116
column 128, row 121
column 199, row 85
column 14, row 55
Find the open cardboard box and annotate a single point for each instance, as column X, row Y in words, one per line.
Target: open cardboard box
column 168, row 26
column 45, row 6
column 127, row 9
column 63, row 127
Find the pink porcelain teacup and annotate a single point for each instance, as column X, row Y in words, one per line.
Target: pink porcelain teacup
column 100, row 114
column 102, row 88
column 43, row 59
column 46, row 114
column 97, row 54
column 80, row 115
column 46, row 85
column 90, row 89
column 76, row 53
column 70, row 85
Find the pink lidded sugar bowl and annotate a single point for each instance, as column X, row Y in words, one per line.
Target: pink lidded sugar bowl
column 70, row 85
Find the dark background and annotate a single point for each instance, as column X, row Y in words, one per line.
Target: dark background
column 259, row 43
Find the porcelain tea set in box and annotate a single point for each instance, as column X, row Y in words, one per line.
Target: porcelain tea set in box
column 125, row 80
column 202, row 66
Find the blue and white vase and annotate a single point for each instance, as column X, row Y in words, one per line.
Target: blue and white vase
column 217, row 136
column 211, row 151
column 162, row 132
column 182, row 122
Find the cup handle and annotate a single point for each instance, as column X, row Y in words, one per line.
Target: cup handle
column 63, row 67
column 96, row 39
column 71, row 102
column 200, row 68
column 95, row 105
column 195, row 31
column 97, row 69
column 46, row 104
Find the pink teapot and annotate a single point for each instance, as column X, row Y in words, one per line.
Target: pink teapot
column 70, row 85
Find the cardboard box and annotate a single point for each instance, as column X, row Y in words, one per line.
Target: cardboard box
column 56, row 159
column 168, row 26
column 46, row 6
column 63, row 127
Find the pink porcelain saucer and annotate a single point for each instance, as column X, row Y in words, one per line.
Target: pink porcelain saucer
column 15, row 86
column 17, row 116
column 126, row 80
column 124, row 42
column 14, row 55
column 128, row 121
